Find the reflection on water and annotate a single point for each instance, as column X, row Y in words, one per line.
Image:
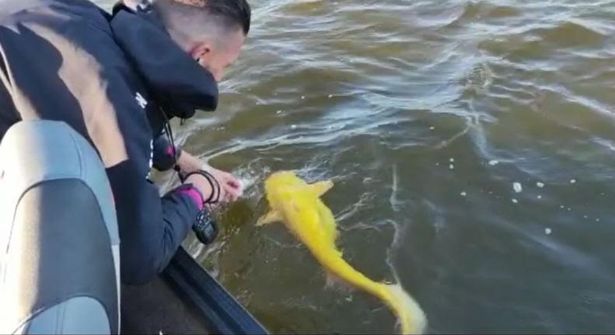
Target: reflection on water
column 473, row 148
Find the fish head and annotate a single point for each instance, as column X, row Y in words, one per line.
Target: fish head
column 281, row 186
column 283, row 180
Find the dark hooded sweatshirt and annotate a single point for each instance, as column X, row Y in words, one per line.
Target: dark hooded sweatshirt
column 110, row 78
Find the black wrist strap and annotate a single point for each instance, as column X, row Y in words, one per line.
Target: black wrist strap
column 216, row 190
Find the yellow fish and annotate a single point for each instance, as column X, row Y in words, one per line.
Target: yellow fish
column 298, row 205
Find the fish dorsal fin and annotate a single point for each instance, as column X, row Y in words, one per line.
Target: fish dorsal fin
column 271, row 217
column 321, row 187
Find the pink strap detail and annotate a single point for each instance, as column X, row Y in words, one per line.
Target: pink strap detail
column 195, row 195
column 170, row 151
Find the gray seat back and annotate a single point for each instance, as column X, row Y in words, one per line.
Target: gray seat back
column 59, row 242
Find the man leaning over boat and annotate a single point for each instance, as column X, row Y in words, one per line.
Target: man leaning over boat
column 117, row 79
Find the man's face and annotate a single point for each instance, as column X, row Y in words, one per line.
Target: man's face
column 219, row 53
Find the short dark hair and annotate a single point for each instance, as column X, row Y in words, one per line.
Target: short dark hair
column 231, row 14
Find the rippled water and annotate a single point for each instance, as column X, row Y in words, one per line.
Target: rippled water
column 473, row 148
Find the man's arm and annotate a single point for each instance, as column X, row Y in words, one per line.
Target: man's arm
column 151, row 228
column 166, row 156
column 231, row 187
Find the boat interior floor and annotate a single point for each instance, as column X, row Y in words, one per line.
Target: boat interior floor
column 155, row 308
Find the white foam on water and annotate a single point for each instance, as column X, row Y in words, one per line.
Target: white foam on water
column 330, row 96
column 463, row 194
column 452, row 160
column 573, row 181
column 517, row 187
column 515, row 201
column 540, row 185
column 432, row 128
column 548, row 231
column 445, row 143
column 539, row 197
column 493, row 163
column 452, row 167
column 562, row 206
column 393, row 200
column 294, row 126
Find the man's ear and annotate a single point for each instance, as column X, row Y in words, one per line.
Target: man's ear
column 200, row 51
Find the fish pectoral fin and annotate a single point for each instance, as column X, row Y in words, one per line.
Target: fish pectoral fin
column 321, row 187
column 271, row 217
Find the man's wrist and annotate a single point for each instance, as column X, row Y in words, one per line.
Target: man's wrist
column 180, row 160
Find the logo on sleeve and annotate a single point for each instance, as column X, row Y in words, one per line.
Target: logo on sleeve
column 141, row 100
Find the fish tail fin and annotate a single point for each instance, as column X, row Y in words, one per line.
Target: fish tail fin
column 411, row 318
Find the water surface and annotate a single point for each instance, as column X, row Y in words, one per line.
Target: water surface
column 425, row 114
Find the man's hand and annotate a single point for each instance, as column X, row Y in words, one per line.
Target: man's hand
column 231, row 188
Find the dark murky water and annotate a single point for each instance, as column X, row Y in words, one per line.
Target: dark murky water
column 426, row 114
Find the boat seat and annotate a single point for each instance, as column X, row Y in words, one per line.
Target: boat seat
column 59, row 256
